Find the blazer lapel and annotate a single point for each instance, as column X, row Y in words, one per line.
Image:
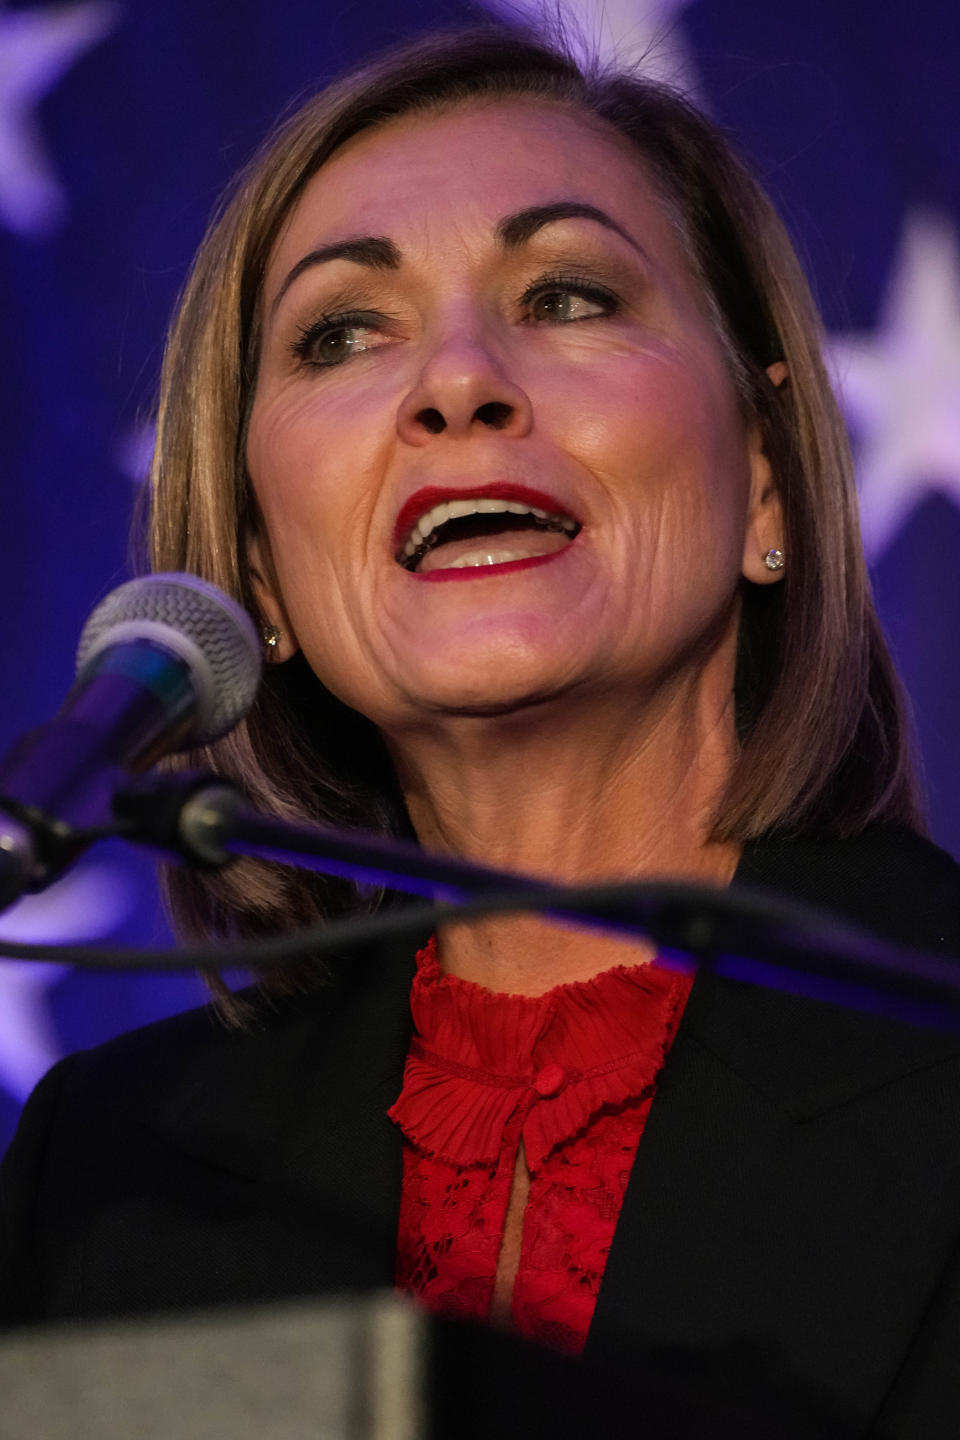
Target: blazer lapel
column 766, row 1199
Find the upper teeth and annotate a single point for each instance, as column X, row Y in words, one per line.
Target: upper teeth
column 456, row 509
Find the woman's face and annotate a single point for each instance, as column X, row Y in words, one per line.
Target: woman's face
column 488, row 307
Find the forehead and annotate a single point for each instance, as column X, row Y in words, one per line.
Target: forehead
column 446, row 174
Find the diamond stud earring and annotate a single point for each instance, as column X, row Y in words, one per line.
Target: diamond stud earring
column 773, row 559
column 271, row 637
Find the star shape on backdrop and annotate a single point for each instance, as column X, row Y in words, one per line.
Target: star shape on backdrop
column 37, row 47
column 87, row 904
column 645, row 33
column 900, row 386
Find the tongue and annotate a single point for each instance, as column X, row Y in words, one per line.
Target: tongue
column 500, row 548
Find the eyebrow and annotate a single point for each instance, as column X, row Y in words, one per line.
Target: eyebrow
column 374, row 251
column 377, row 252
column 516, row 230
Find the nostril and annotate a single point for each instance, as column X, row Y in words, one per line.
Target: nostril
column 432, row 420
column 495, row 414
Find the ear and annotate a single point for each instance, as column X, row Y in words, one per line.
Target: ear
column 269, row 604
column 764, row 530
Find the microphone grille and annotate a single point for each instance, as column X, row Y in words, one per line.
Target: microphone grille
column 211, row 633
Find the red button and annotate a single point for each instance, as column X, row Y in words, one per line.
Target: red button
column 549, row 1080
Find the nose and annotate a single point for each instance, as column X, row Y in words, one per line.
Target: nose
column 462, row 389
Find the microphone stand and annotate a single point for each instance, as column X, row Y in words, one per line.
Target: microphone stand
column 735, row 933
column 208, row 822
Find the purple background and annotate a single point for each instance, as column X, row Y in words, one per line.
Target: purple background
column 849, row 110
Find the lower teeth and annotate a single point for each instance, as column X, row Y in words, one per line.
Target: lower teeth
column 485, row 557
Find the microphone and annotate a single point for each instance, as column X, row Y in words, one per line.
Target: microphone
column 164, row 663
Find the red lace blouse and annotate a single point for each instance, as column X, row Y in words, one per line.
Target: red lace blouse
column 571, row 1073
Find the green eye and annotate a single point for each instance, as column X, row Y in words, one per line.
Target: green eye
column 560, row 307
column 337, row 344
column 335, row 338
column 563, row 299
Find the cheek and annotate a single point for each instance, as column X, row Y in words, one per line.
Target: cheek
column 665, row 440
column 317, row 472
column 664, row 436
column 311, row 469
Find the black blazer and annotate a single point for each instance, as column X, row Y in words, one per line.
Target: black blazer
column 794, row 1208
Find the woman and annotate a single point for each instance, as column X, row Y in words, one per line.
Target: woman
column 496, row 394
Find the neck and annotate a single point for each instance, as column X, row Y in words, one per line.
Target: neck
column 575, row 792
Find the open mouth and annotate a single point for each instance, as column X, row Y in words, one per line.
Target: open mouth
column 481, row 529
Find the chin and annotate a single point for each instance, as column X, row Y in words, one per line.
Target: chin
column 494, row 689
column 496, row 707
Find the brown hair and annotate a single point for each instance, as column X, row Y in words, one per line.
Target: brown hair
column 823, row 738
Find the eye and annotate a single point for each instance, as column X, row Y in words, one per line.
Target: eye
column 333, row 339
column 563, row 299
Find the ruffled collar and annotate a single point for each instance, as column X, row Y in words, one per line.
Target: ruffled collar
column 478, row 1057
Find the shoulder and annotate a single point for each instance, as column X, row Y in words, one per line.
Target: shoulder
column 190, row 1063
column 181, row 1076
column 887, row 879
column 190, row 1044
column 129, row 1183
column 92, row 1112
